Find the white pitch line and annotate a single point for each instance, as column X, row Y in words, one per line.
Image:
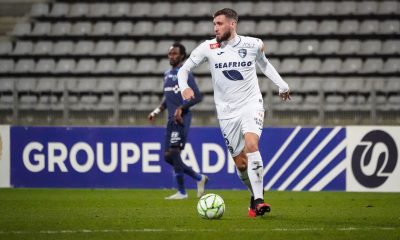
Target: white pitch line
column 150, row 230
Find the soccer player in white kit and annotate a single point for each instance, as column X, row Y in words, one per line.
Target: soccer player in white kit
column 232, row 59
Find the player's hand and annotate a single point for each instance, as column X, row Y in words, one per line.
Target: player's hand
column 285, row 96
column 187, row 94
column 151, row 117
column 178, row 115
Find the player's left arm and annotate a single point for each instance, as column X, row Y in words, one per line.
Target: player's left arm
column 269, row 71
column 188, row 103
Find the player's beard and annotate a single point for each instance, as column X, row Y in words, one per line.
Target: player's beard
column 224, row 37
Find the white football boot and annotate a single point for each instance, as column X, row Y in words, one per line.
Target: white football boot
column 201, row 185
column 177, row 196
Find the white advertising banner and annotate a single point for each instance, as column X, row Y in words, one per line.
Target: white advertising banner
column 373, row 159
column 4, row 156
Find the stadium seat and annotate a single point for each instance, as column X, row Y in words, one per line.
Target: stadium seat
column 63, row 47
column 207, row 104
column 392, row 65
column 127, row 85
column 351, row 65
column 183, row 28
column 129, row 102
column 289, row 65
column 305, row 8
column 332, row 84
column 141, row 9
column 329, row 47
column 21, row 29
column 295, row 83
column 41, row 28
column 328, row 27
column 6, row 84
column 265, row 27
column 379, row 84
column 263, row 8
column 79, row 9
column 331, row 65
column 283, row 8
column 391, row 47
column 120, row 9
column 86, row 84
column 350, row 47
column 388, row 7
column 246, row 27
column 355, row 85
column 308, row 47
column 81, row 28
column 334, row 102
column 371, row 47
column 394, row 102
column 286, row 27
column 205, row 84
column 311, row 103
column 311, row 84
column 106, row 102
column 84, row 47
column 163, row 66
column 389, row 27
column 6, row 47
column 43, row 48
column 47, row 103
column 27, row 102
column 162, row 47
column 148, row 85
column 126, row 66
column 145, row 47
column 310, row 65
column 143, row 28
column 59, row 9
column 160, row 9
column 348, row 27
column 26, row 84
column 203, row 28
column 105, row 66
column 107, row 85
column 346, row 8
column 163, row 28
column 275, row 62
column 288, row 47
column 39, row 10
column 99, row 10
column 393, row 85
column 25, row 66
column 65, row 66
column 181, row 9
column 367, row 7
column 6, row 66
column 325, row 8
column 372, row 65
column 104, row 47
column 102, row 28
column 146, row 66
column 307, row 27
column 369, row 26
column 46, row 85
column 189, row 45
column 124, row 47
column 244, row 8
column 122, row 28
column 45, row 66
column 217, row 5
column 202, row 9
column 23, row 48
column 86, row 102
column 85, row 65
column 61, row 28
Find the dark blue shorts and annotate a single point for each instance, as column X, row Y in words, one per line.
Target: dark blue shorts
column 176, row 135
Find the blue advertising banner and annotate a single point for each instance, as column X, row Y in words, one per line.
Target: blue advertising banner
column 121, row 157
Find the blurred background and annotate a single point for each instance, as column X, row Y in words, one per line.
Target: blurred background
column 102, row 62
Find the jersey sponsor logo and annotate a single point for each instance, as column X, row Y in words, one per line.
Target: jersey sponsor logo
column 220, row 53
column 242, row 52
column 174, row 89
column 233, row 75
column 214, row 45
column 248, row 45
column 232, row 64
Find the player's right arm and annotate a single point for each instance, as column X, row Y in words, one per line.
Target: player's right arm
column 157, row 110
column 195, row 59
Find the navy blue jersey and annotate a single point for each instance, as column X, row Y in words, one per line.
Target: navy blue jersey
column 172, row 94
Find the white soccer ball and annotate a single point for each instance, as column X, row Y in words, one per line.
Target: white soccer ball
column 211, row 206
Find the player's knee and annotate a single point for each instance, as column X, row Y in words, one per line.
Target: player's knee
column 251, row 146
column 241, row 167
column 241, row 163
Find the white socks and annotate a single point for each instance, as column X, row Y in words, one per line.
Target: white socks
column 245, row 179
column 255, row 168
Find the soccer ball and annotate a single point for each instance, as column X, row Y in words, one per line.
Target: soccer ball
column 211, row 206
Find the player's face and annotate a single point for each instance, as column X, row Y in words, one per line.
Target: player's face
column 175, row 57
column 223, row 28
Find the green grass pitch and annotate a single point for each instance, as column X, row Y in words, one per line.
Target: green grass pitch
column 144, row 214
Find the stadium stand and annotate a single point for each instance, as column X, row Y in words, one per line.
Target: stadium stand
column 101, row 62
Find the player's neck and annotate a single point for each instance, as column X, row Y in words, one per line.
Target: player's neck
column 232, row 40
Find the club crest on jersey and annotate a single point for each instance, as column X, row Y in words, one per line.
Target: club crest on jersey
column 214, row 45
column 242, row 52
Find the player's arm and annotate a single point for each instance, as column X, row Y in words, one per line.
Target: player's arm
column 195, row 59
column 188, row 103
column 157, row 110
column 269, row 71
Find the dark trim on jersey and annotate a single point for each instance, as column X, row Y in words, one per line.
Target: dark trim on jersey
column 193, row 61
column 240, row 40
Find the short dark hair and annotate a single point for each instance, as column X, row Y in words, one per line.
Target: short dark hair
column 228, row 12
column 182, row 48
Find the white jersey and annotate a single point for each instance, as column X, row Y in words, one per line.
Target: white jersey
column 233, row 69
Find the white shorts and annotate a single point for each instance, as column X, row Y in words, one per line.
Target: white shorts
column 233, row 129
